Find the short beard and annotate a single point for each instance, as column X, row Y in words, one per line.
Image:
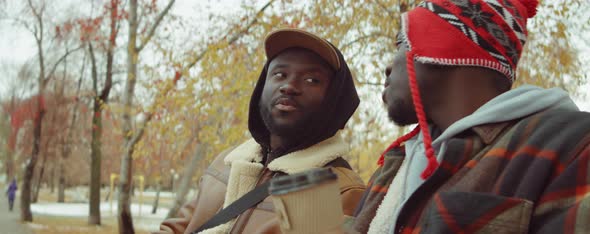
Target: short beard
column 401, row 113
column 290, row 132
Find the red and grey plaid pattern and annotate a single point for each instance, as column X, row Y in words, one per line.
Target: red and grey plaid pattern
column 530, row 175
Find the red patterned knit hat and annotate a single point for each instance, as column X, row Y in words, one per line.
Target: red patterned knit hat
column 483, row 33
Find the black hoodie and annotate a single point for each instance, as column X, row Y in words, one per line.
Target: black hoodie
column 339, row 104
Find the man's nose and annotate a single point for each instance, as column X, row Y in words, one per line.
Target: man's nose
column 290, row 87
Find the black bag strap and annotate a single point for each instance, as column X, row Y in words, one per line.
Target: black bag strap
column 237, row 207
column 249, row 200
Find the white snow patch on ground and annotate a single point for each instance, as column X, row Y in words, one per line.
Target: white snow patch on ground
column 37, row 226
column 153, row 194
column 146, row 220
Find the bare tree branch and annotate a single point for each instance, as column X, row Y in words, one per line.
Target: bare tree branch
column 236, row 36
column 94, row 73
column 34, row 10
column 38, row 33
column 364, row 37
column 39, row 18
column 147, row 39
column 50, row 74
column 141, row 129
column 114, row 27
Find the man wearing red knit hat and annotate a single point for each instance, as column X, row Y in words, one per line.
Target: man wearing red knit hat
column 484, row 158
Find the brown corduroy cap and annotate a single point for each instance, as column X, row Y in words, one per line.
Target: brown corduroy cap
column 282, row 39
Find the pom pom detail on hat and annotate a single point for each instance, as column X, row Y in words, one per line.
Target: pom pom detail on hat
column 531, row 7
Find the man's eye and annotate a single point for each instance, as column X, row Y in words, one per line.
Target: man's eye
column 312, row 80
column 278, row 75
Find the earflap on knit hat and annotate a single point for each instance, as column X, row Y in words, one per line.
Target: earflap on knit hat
column 483, row 33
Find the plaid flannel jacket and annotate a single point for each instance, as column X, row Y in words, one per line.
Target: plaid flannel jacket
column 530, row 175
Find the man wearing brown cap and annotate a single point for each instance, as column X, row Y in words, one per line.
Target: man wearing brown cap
column 305, row 94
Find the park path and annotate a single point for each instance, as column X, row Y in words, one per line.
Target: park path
column 10, row 221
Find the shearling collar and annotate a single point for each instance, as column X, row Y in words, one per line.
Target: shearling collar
column 316, row 156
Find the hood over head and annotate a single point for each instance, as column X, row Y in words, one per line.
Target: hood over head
column 339, row 104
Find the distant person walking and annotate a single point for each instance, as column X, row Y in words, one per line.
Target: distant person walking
column 11, row 193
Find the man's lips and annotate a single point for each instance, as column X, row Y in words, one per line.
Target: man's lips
column 286, row 104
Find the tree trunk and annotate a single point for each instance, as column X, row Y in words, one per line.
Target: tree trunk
column 52, row 180
column 38, row 33
column 124, row 207
column 61, row 193
column 9, row 166
column 103, row 99
column 25, row 202
column 185, row 182
column 96, row 154
column 95, row 148
column 157, row 200
column 131, row 137
column 39, row 180
column 61, row 187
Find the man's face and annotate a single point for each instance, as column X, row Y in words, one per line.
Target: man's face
column 397, row 96
column 295, row 87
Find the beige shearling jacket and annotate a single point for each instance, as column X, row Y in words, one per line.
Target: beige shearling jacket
column 237, row 171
